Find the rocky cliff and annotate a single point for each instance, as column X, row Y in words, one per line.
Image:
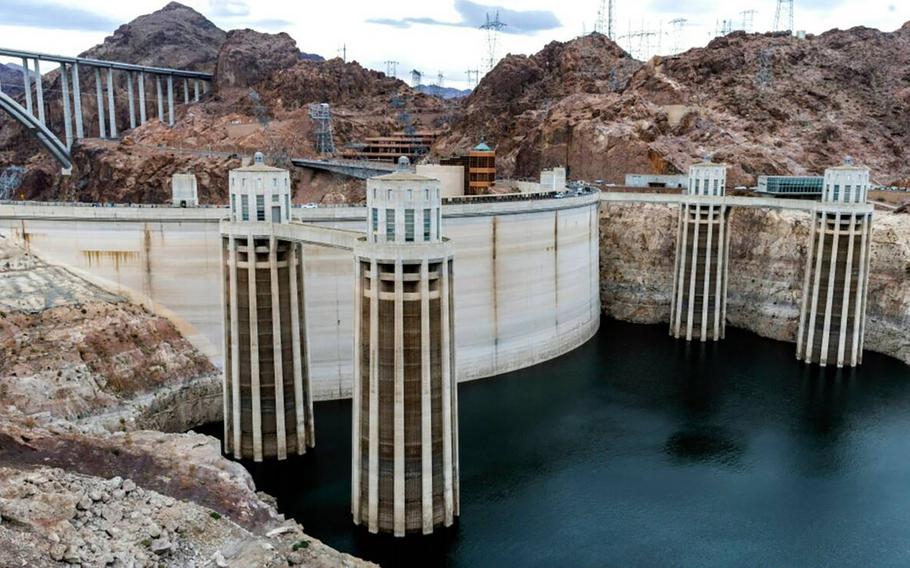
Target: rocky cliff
column 767, row 262
column 764, row 103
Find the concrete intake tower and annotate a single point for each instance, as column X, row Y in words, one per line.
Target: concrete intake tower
column 832, row 320
column 699, row 303
column 268, row 409
column 405, row 400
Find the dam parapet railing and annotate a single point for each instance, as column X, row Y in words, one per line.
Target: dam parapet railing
column 808, row 205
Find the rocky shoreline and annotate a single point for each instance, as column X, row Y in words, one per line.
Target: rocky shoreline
column 767, row 265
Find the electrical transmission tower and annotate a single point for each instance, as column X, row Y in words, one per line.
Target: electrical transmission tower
column 416, row 77
column 748, row 20
column 391, row 69
column 475, row 73
column 606, row 10
column 492, row 27
column 639, row 43
column 678, row 25
column 723, row 27
column 783, row 16
column 322, row 114
column 439, row 79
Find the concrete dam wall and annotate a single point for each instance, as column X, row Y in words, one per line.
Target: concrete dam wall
column 526, row 286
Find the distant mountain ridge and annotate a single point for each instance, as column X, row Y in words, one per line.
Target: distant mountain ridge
column 442, row 92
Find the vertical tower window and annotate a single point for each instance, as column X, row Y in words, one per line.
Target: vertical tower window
column 390, row 224
column 260, row 208
column 716, row 187
column 409, row 225
column 234, row 204
column 374, row 220
column 426, row 224
column 245, row 207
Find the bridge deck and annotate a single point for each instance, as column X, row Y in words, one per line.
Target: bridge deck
column 105, row 64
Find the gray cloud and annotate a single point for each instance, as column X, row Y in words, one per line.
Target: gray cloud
column 52, row 16
column 473, row 15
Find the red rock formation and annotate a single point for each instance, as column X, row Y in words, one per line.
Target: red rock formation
column 174, row 36
column 248, row 57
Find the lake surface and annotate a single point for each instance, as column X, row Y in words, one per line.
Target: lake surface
column 640, row 450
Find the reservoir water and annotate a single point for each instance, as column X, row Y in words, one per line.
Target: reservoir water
column 640, row 450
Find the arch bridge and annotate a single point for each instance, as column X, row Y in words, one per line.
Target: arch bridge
column 32, row 114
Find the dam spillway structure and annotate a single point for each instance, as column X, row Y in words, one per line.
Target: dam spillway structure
column 405, row 400
column 268, row 409
column 832, row 318
column 699, row 303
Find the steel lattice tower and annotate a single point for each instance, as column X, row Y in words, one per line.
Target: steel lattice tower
column 322, row 114
column 605, row 17
column 783, row 16
column 492, row 27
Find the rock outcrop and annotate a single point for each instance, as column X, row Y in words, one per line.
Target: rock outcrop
column 767, row 265
column 174, row 36
column 248, row 57
column 763, row 103
column 71, row 349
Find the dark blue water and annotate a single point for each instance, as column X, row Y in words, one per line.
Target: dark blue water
column 640, row 450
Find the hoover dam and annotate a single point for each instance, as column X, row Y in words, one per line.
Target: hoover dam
column 528, row 286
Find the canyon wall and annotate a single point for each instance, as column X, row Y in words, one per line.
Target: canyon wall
column 767, row 265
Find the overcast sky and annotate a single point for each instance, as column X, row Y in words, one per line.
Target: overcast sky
column 434, row 35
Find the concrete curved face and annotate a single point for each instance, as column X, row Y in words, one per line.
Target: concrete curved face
column 526, row 281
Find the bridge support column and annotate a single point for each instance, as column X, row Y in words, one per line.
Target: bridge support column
column 39, row 91
column 833, row 314
column 205, row 87
column 67, row 126
column 112, row 112
column 99, row 98
column 159, row 98
column 186, row 90
column 25, row 83
column 77, row 102
column 130, row 77
column 196, row 90
column 142, row 117
column 170, row 100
